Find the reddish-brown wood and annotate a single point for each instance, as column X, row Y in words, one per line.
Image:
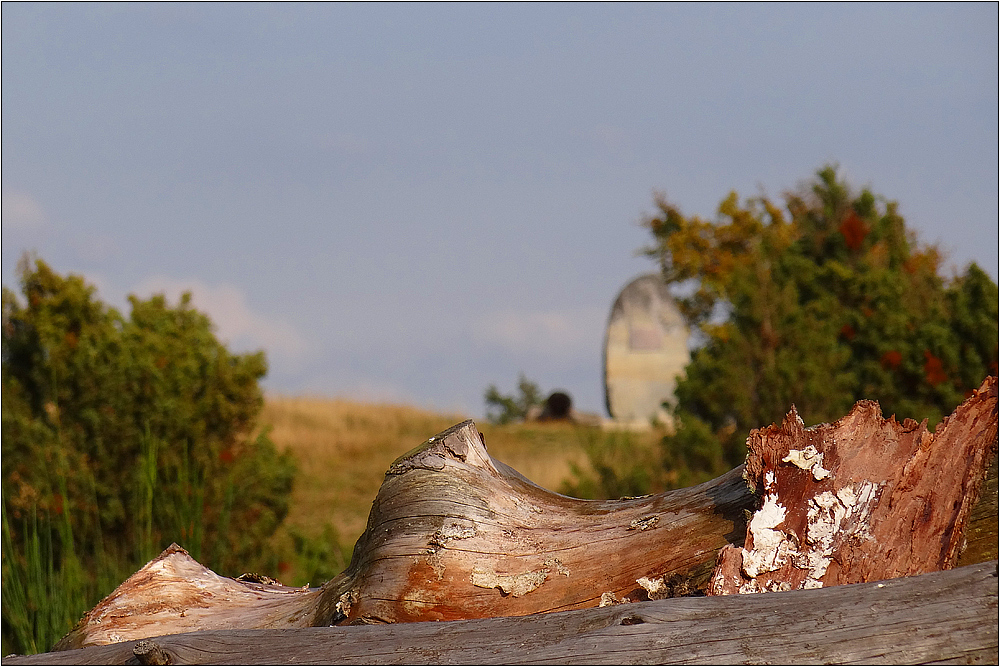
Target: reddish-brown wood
column 862, row 499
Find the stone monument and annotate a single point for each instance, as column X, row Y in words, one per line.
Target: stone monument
column 645, row 349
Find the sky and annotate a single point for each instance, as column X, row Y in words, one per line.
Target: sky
column 406, row 203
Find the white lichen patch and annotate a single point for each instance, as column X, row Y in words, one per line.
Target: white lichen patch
column 509, row 584
column 645, row 523
column 656, row 588
column 343, row 607
column 452, row 531
column 455, row 531
column 556, row 564
column 771, row 547
column 753, row 586
column 609, row 598
column 808, row 459
column 517, row 585
column 769, row 481
column 831, row 520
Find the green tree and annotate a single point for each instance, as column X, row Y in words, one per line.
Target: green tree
column 121, row 435
column 507, row 408
column 821, row 302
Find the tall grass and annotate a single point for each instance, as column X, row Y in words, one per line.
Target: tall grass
column 36, row 595
column 46, row 586
column 49, row 581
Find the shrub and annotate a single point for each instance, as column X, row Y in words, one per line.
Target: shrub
column 124, row 435
column 819, row 303
column 504, row 409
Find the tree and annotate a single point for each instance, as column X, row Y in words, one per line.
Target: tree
column 504, row 409
column 125, row 434
column 819, row 303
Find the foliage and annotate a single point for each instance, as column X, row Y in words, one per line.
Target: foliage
column 320, row 558
column 123, row 435
column 504, row 409
column 824, row 301
column 622, row 464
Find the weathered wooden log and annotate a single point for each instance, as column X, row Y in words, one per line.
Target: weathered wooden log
column 944, row 617
column 862, row 499
column 174, row 593
column 454, row 534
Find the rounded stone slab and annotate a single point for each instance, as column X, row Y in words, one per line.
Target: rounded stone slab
column 645, row 349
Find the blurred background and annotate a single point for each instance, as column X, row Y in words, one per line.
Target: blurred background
column 407, row 202
column 254, row 252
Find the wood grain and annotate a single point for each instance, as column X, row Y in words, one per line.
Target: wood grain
column 945, row 617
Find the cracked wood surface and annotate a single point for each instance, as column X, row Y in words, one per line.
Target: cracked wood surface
column 943, row 617
column 454, row 534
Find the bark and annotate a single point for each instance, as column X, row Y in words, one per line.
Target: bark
column 862, row 499
column 453, row 534
column 943, row 617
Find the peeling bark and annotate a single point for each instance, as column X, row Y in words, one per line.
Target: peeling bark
column 862, row 499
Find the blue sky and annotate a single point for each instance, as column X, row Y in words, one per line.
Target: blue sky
column 409, row 202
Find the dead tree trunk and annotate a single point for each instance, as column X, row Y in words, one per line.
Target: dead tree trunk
column 454, row 534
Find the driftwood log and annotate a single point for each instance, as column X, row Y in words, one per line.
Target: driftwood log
column 454, row 534
column 943, row 617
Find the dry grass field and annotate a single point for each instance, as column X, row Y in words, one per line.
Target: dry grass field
column 343, row 449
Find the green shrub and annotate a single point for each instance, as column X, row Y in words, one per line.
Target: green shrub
column 621, row 465
column 506, row 408
column 120, row 436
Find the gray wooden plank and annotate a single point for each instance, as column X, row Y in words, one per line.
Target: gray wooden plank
column 940, row 618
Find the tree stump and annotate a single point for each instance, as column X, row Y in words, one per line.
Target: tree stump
column 862, row 499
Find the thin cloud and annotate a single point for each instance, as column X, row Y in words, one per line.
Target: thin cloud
column 236, row 323
column 21, row 211
column 555, row 334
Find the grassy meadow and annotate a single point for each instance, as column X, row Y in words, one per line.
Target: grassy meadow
column 343, row 448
